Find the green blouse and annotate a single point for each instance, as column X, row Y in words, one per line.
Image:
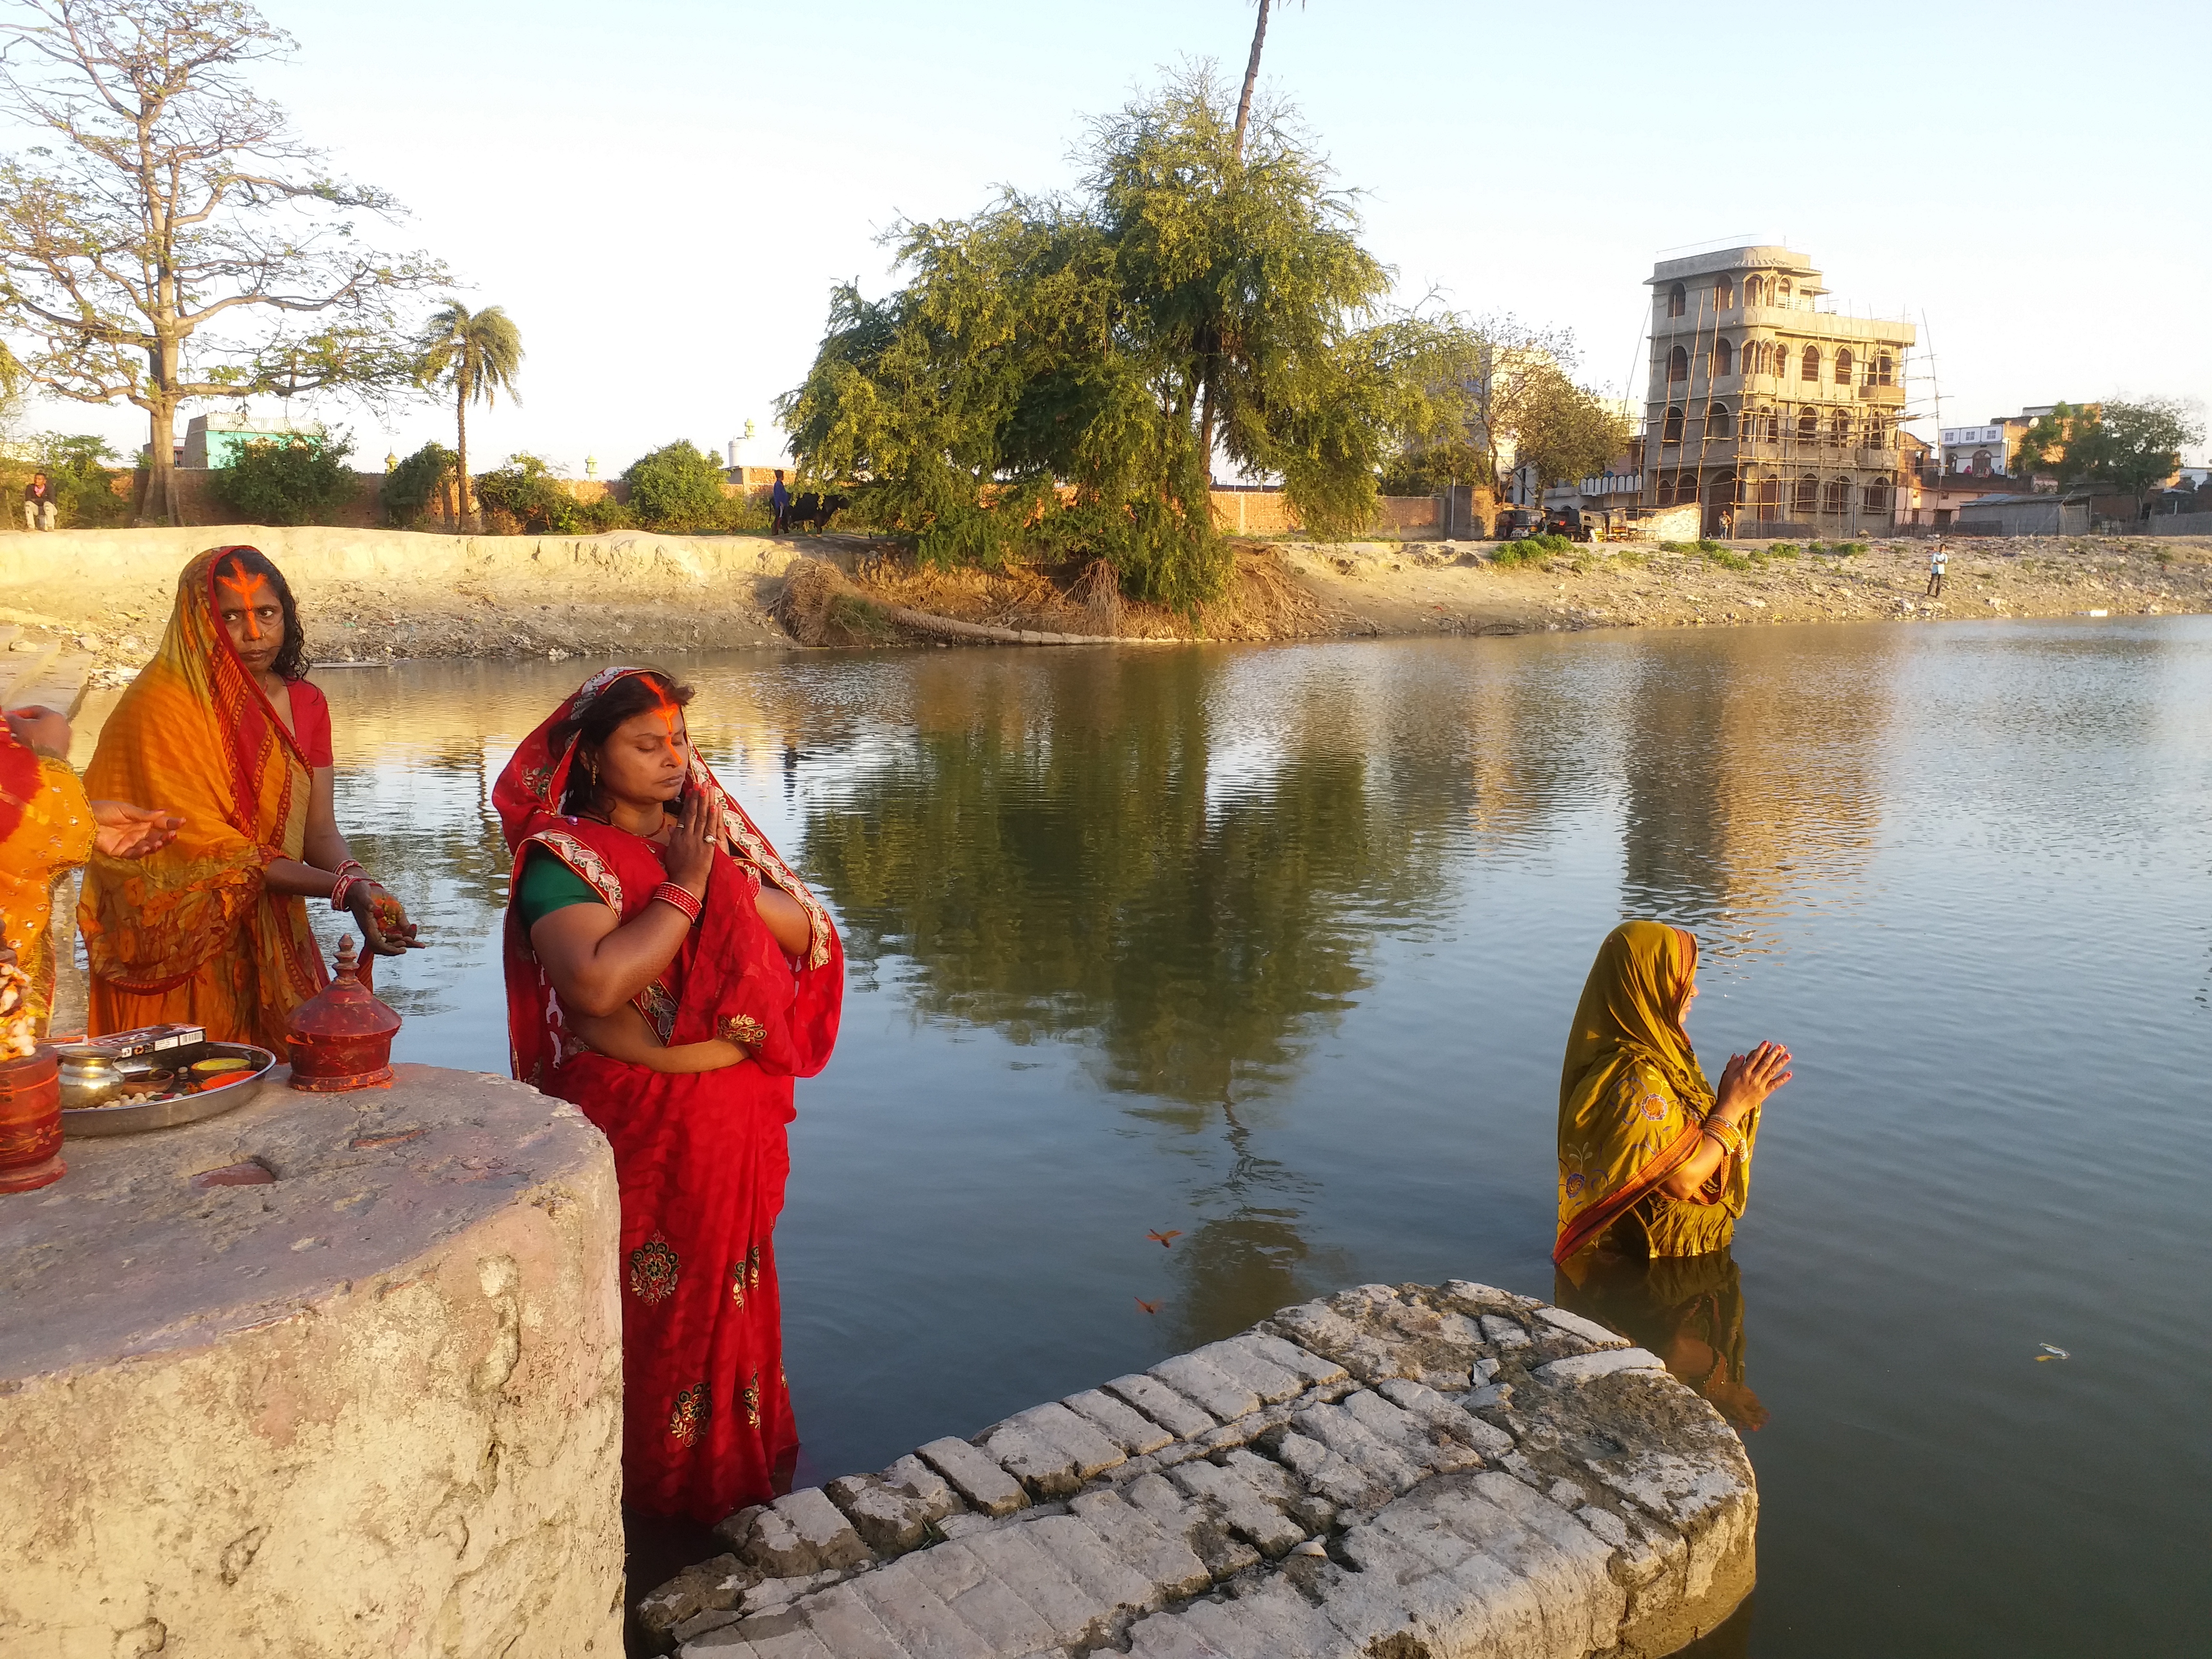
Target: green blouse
column 547, row 885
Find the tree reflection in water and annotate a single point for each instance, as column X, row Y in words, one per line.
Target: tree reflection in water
column 1060, row 854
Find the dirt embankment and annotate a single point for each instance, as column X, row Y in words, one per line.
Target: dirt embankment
column 1294, row 590
column 370, row 596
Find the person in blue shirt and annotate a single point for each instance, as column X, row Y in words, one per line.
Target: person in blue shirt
column 780, row 499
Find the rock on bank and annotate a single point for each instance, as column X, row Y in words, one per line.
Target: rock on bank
column 368, row 595
column 1447, row 1472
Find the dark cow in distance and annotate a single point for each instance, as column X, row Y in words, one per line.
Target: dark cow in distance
column 817, row 509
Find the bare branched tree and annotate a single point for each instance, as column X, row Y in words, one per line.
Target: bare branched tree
column 175, row 239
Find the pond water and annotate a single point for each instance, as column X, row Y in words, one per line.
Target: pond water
column 1274, row 949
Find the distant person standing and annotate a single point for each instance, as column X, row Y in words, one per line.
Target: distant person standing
column 1937, row 558
column 38, row 503
column 780, row 499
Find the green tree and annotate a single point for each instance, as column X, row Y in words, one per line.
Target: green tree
column 1058, row 371
column 411, row 487
column 2127, row 447
column 1565, row 431
column 477, row 354
column 291, row 479
column 679, row 488
column 173, row 237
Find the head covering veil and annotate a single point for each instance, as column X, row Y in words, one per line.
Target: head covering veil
column 530, row 787
column 1630, row 1012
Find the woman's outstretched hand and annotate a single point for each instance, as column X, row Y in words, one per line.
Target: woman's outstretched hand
column 1749, row 1079
column 126, row 831
column 383, row 922
column 692, row 844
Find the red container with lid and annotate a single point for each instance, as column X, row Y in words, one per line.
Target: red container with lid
column 341, row 1037
column 31, row 1121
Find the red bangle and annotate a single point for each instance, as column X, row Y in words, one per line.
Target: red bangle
column 669, row 893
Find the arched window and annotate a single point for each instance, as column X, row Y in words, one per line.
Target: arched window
column 1671, row 433
column 1981, row 464
column 1723, row 357
column 1808, row 368
column 1785, row 291
column 1770, row 499
column 1678, row 300
column 1678, row 365
column 1840, row 496
column 1721, row 491
column 1884, row 370
column 1843, row 366
column 1666, row 489
column 1754, row 291
column 1716, row 420
column 1773, row 424
column 1877, row 496
column 1840, row 426
column 1808, row 496
column 1745, row 424
column 1809, row 424
column 1723, row 295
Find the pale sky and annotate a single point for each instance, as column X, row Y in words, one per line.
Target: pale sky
column 661, row 194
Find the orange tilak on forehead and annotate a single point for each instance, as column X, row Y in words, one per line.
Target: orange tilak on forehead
column 252, row 589
column 671, row 712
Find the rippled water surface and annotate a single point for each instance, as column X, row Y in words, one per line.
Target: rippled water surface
column 1276, row 947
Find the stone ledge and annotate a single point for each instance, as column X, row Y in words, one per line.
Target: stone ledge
column 1453, row 1467
column 378, row 1395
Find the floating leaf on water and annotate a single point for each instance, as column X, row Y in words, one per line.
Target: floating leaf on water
column 2050, row 1353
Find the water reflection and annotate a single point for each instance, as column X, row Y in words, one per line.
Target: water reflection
column 1055, row 853
column 1752, row 775
column 1688, row 1309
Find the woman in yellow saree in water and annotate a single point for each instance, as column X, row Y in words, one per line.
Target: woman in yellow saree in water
column 224, row 726
column 1652, row 1161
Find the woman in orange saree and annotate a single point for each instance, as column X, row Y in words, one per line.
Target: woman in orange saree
column 668, row 973
column 224, row 727
column 1652, row 1163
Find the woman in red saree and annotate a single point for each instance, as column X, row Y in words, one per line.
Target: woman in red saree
column 668, row 973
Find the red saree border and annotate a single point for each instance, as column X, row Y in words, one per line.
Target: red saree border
column 1601, row 1215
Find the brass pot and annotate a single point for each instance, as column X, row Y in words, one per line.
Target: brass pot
column 89, row 1076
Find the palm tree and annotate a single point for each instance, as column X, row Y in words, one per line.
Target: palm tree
column 477, row 354
column 1252, row 73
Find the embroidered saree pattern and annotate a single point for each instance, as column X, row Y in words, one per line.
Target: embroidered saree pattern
column 701, row 1159
column 192, row 933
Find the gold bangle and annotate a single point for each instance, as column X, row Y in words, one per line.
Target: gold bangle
column 1726, row 1136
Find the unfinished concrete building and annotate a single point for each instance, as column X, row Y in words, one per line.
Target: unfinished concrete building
column 1776, row 416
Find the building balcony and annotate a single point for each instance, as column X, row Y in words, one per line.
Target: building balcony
column 1888, row 396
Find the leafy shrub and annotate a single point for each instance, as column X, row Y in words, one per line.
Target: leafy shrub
column 525, row 490
column 676, row 488
column 1530, row 549
column 1714, row 553
column 411, row 487
column 1783, row 551
column 287, row 479
column 1837, row 550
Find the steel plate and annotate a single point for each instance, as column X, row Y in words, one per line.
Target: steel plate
column 87, row 1120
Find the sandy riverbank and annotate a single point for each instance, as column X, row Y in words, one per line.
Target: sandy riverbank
column 375, row 596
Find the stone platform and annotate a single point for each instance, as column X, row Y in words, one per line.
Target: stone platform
column 369, row 1404
column 1417, row 1473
